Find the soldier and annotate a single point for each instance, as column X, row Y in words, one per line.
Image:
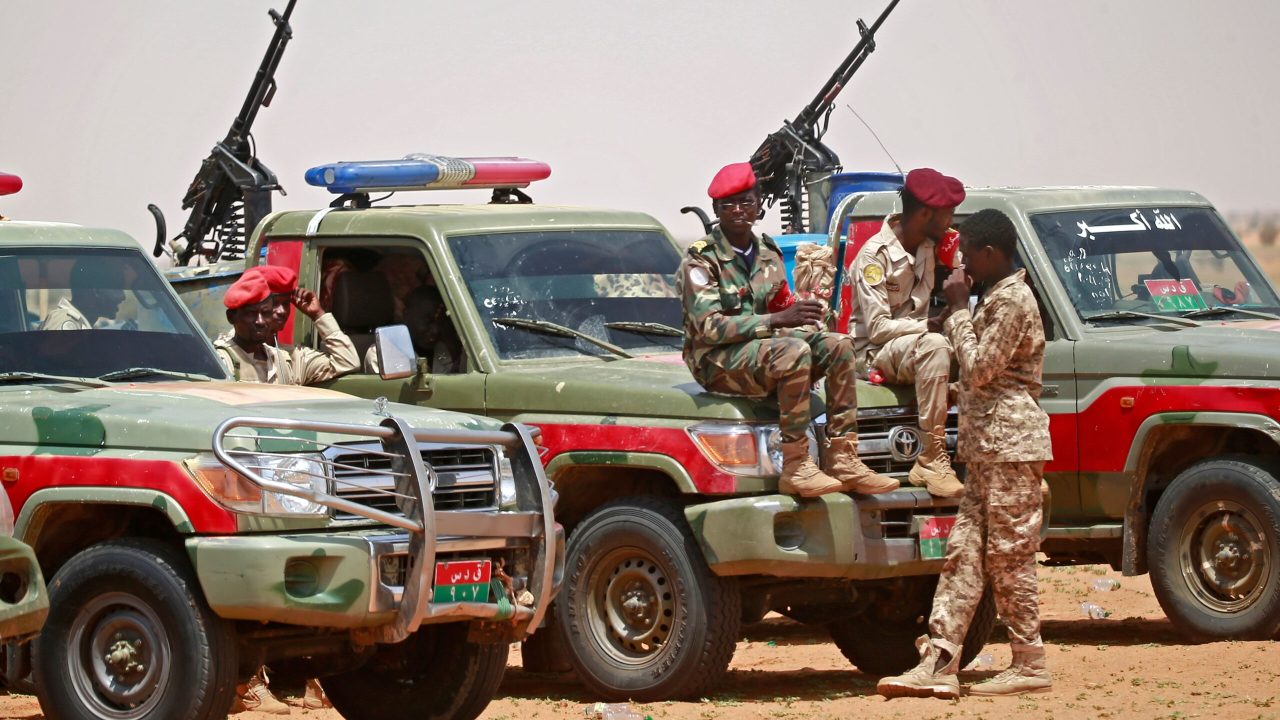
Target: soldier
column 97, row 290
column 1004, row 439
column 248, row 351
column 893, row 276
column 740, row 340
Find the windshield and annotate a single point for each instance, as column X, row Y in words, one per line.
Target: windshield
column 89, row 312
column 1173, row 261
column 588, row 281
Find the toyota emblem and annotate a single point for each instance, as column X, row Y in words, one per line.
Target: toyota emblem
column 904, row 443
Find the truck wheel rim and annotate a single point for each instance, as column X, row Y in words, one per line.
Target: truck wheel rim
column 1224, row 556
column 118, row 657
column 632, row 606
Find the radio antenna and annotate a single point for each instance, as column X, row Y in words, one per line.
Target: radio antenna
column 874, row 135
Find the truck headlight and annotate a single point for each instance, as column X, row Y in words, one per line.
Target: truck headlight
column 740, row 448
column 234, row 492
column 507, row 499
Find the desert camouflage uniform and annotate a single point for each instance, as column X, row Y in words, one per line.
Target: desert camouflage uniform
column 289, row 364
column 1004, row 439
column 891, row 334
column 65, row 316
column 730, row 348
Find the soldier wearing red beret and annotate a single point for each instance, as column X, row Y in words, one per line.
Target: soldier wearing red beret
column 257, row 312
column 893, row 277
column 745, row 336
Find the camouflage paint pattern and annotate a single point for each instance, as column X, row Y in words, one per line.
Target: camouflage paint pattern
column 27, row 612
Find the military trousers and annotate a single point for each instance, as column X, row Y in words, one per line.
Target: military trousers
column 995, row 540
column 789, row 364
column 923, row 359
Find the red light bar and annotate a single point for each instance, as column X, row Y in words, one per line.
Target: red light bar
column 9, row 184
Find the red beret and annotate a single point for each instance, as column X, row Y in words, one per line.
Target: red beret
column 731, row 180
column 249, row 289
column 279, row 278
column 934, row 189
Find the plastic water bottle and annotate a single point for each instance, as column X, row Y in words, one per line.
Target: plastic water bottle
column 1106, row 584
column 1090, row 610
column 983, row 662
column 612, row 711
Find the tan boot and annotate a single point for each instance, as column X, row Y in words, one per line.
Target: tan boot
column 933, row 467
column 935, row 676
column 844, row 465
column 1027, row 674
column 314, row 698
column 257, row 697
column 800, row 475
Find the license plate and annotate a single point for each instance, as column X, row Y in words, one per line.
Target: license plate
column 934, row 532
column 462, row 581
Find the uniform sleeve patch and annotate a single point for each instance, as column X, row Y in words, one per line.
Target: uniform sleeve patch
column 872, row 274
column 698, row 278
column 698, row 245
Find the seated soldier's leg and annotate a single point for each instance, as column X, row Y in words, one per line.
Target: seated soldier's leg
column 833, row 357
column 925, row 361
column 782, row 366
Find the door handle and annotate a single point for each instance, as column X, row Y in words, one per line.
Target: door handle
column 1049, row 391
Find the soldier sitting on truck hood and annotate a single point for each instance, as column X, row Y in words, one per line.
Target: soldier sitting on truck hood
column 893, row 277
column 741, row 338
column 248, row 351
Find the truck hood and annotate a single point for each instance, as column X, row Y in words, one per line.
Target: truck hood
column 181, row 416
column 1246, row 350
column 647, row 386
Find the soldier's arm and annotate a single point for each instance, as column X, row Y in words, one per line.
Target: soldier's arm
column 224, row 357
column 337, row 355
column 873, row 303
column 982, row 361
column 704, row 308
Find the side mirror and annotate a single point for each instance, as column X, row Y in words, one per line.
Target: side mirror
column 396, row 357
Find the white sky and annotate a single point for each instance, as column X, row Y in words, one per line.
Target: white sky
column 106, row 106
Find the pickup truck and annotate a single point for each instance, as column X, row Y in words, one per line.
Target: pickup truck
column 195, row 528
column 566, row 319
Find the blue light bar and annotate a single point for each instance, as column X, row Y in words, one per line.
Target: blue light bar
column 349, row 177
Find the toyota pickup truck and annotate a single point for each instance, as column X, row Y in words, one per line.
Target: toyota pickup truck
column 567, row 319
column 194, row 528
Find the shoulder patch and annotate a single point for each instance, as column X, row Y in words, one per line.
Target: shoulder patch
column 697, row 246
column 872, row 274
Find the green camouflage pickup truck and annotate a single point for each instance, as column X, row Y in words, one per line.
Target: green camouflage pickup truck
column 565, row 319
column 194, row 529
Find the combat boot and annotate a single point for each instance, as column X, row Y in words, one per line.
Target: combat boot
column 844, row 465
column 935, row 676
column 1027, row 674
column 314, row 698
column 256, row 696
column 933, row 467
column 800, row 475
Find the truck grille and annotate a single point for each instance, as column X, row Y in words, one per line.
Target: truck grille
column 466, row 478
column 878, row 435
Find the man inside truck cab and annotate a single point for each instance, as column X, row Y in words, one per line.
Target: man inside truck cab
column 96, row 292
column 429, row 329
column 740, row 340
column 893, row 277
column 248, row 350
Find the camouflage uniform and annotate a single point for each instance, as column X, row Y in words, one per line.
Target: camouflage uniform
column 65, row 316
column 290, row 364
column 730, row 347
column 1004, row 439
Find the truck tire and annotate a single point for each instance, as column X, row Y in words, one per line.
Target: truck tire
column 1214, row 550
column 435, row 674
column 879, row 645
column 643, row 616
column 130, row 636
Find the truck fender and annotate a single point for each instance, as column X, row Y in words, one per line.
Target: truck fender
column 41, row 500
column 616, row 458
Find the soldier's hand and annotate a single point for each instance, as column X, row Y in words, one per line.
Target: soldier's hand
column 956, row 287
column 307, row 302
column 934, row 325
column 801, row 312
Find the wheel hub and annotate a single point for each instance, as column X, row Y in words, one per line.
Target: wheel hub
column 119, row 656
column 1225, row 560
column 123, row 657
column 632, row 606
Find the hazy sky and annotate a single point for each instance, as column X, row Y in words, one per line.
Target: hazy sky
column 106, row 106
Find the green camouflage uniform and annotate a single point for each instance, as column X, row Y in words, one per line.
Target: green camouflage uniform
column 730, row 347
column 1004, row 439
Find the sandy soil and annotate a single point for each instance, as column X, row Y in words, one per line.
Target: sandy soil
column 1131, row 664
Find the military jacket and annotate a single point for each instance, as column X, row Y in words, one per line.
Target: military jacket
column 1001, row 356
column 65, row 316
column 892, row 289
column 290, row 364
column 726, row 302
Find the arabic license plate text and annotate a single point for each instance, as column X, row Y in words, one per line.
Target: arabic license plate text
column 935, row 530
column 462, row 581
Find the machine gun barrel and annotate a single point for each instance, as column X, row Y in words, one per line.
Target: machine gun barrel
column 827, row 95
column 264, row 82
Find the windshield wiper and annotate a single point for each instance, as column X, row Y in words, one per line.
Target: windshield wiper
column 645, row 328
column 550, row 328
column 137, row 372
column 1224, row 309
column 1137, row 315
column 29, row 376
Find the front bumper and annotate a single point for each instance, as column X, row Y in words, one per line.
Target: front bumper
column 833, row 536
column 24, row 600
